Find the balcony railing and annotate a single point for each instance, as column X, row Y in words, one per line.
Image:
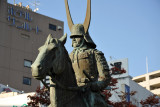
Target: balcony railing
column 156, row 91
column 144, row 83
column 154, row 81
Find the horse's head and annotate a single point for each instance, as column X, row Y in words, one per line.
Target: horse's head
column 49, row 57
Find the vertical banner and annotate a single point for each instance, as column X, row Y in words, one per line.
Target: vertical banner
column 127, row 91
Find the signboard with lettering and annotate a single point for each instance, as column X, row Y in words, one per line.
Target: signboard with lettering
column 119, row 64
column 15, row 16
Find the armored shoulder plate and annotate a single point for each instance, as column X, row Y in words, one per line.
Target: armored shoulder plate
column 101, row 60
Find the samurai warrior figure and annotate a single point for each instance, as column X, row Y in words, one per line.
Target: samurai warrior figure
column 89, row 64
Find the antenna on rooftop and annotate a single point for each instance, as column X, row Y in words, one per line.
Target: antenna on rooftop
column 147, row 64
column 35, row 4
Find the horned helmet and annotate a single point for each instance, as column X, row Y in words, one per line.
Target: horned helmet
column 81, row 29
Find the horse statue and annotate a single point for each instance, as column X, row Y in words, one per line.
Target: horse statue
column 53, row 60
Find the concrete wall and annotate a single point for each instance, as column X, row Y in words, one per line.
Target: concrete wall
column 19, row 100
column 142, row 93
column 126, row 79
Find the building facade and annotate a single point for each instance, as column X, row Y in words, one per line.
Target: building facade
column 150, row 81
column 22, row 32
column 127, row 85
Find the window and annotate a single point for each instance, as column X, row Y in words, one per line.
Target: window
column 27, row 63
column 52, row 27
column 26, row 81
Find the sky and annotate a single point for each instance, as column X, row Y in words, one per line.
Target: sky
column 120, row 28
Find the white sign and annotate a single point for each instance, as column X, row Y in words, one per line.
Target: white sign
column 120, row 64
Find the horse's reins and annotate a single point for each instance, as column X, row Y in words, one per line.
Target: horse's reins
column 59, row 84
column 62, row 86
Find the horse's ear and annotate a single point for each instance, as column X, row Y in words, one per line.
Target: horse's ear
column 63, row 38
column 49, row 38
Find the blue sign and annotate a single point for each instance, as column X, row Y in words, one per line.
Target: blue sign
column 19, row 14
column 127, row 91
column 15, row 14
